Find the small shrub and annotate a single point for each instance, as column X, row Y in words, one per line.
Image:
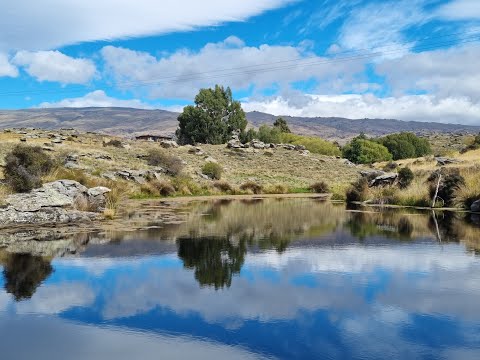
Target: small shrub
column 320, row 187
column 224, row 187
column 252, row 187
column 390, row 166
column 164, row 188
column 405, row 177
column 159, row 157
column 25, row 166
column 212, row 170
column 114, row 142
column 276, row 189
column 358, row 191
column 363, row 151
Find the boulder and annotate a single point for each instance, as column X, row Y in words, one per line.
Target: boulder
column 53, row 203
column 442, row 161
column 167, row 144
column 256, row 144
column 383, row 180
column 475, row 206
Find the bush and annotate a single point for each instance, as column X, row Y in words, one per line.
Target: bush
column 252, row 186
column 164, row 188
column 184, row 185
column 313, row 144
column 405, row 145
column 159, row 157
column 358, row 191
column 390, row 166
column 363, row 151
column 25, row 166
column 247, row 136
column 114, row 142
column 269, row 134
column 282, row 125
column 212, row 170
column 405, row 177
column 474, row 145
column 320, row 187
column 450, row 183
column 224, row 186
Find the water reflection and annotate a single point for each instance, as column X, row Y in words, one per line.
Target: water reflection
column 215, row 260
column 23, row 273
column 290, row 279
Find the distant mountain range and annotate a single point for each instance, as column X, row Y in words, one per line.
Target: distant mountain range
column 132, row 122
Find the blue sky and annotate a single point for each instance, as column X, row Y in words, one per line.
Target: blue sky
column 405, row 59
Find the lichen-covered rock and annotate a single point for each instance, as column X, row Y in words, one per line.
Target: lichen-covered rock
column 167, row 144
column 53, row 203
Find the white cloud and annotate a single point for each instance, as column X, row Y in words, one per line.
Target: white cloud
column 380, row 25
column 446, row 73
column 55, row 66
column 55, row 298
column 409, row 107
column 182, row 73
column 6, row 68
column 46, row 24
column 460, row 10
column 97, row 98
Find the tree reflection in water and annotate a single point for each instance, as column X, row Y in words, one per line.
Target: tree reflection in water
column 24, row 273
column 215, row 260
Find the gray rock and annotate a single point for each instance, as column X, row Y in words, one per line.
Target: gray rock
column 167, row 144
column 382, row 180
column 475, row 206
column 51, row 204
column 256, row 144
column 442, row 161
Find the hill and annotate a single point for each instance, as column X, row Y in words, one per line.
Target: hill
column 130, row 122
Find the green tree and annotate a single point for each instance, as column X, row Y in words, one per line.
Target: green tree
column 269, row 134
column 405, row 145
column 212, row 119
column 282, row 125
column 363, row 151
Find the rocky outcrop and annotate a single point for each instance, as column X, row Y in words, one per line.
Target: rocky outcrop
column 54, row 203
column 442, row 161
column 383, row 180
column 167, row 144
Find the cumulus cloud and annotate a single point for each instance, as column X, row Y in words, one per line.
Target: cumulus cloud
column 55, row 66
column 6, row 68
column 46, row 24
column 459, row 110
column 182, row 73
column 97, row 98
column 443, row 72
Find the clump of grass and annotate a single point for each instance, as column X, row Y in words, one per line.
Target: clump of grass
column 469, row 192
column 185, row 185
column 320, row 187
column 451, row 181
column 164, row 188
column 276, row 189
column 61, row 173
column 212, row 170
column 358, row 192
column 114, row 142
column 4, row 192
column 159, row 157
column 252, row 187
column 224, row 186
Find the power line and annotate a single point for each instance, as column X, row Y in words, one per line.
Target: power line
column 267, row 67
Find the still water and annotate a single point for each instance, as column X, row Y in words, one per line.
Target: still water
column 289, row 279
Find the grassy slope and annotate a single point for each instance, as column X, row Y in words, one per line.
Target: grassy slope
column 267, row 167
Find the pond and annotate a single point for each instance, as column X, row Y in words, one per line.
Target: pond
column 281, row 279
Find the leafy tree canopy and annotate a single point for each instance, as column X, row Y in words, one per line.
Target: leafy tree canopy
column 405, row 145
column 282, row 125
column 212, row 119
column 363, row 151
